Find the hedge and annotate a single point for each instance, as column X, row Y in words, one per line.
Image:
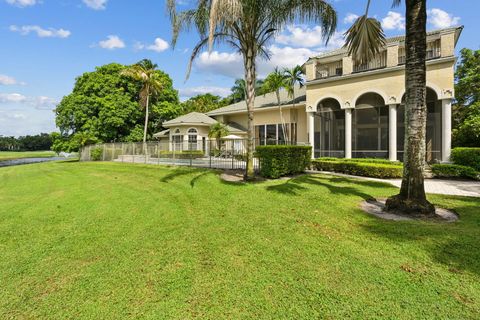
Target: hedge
column 359, row 168
column 363, row 160
column 188, row 154
column 277, row 161
column 469, row 157
column 96, row 154
column 450, row 171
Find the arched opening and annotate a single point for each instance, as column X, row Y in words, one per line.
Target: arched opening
column 192, row 139
column 329, row 129
column 370, row 127
column 434, row 128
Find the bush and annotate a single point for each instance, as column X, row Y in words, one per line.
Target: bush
column 450, row 171
column 358, row 168
column 363, row 160
column 189, row 154
column 277, row 161
column 469, row 157
column 96, row 154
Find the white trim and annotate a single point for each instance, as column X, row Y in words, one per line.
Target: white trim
column 257, row 109
column 430, row 85
column 380, row 93
column 329, row 96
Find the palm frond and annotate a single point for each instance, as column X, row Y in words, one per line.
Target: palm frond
column 222, row 12
column 364, row 39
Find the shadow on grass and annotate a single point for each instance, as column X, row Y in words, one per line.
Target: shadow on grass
column 293, row 186
column 185, row 172
column 455, row 245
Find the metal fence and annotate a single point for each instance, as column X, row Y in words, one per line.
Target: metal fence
column 218, row 154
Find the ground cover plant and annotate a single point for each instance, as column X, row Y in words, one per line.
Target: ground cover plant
column 116, row 241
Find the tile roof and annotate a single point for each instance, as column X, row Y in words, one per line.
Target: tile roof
column 191, row 118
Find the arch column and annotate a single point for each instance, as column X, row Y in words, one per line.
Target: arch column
column 311, row 131
column 446, row 129
column 392, row 132
column 348, row 133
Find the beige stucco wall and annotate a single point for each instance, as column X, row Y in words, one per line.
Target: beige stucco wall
column 390, row 84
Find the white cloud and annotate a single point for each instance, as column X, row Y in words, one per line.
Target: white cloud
column 96, row 4
column 350, row 18
column 113, row 42
column 441, row 19
column 302, row 36
column 12, row 98
column 43, row 103
column 159, row 45
column 193, row 91
column 8, row 81
column 41, row 32
column 22, row 3
column 393, row 21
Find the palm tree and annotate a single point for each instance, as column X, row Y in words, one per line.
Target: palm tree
column 145, row 72
column 239, row 89
column 274, row 82
column 293, row 77
column 248, row 26
column 365, row 39
column 218, row 131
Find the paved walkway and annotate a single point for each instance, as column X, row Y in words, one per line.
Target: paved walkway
column 439, row 186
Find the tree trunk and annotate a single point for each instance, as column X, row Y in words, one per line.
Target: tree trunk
column 250, row 79
column 146, row 122
column 412, row 198
column 281, row 115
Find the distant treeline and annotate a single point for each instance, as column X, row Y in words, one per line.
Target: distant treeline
column 38, row 142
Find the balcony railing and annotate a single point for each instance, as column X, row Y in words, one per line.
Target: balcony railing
column 380, row 61
column 334, row 69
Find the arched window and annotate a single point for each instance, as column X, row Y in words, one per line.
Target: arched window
column 192, row 139
column 329, row 138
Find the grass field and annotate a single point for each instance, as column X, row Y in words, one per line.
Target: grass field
column 114, row 241
column 11, row 155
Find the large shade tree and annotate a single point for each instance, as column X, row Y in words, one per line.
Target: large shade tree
column 365, row 39
column 248, row 26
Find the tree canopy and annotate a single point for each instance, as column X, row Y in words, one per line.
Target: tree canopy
column 103, row 107
column 466, row 132
column 203, row 103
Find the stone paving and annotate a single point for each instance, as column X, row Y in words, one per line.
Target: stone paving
column 439, row 186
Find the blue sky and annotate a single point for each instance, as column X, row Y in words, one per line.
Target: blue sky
column 47, row 43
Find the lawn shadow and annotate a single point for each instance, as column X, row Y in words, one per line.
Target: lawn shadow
column 294, row 185
column 454, row 245
column 180, row 172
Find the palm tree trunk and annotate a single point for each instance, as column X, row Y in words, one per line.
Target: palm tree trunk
column 146, row 121
column 412, row 198
column 250, row 79
column 281, row 115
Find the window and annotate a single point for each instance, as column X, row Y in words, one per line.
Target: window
column 192, row 139
column 177, row 140
column 268, row 134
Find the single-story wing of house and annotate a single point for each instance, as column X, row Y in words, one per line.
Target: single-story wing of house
column 346, row 109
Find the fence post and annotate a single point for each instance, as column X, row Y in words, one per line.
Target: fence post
column 133, row 151
column 104, row 151
column 114, row 148
column 158, row 153
column 123, row 152
column 233, row 153
column 210, row 152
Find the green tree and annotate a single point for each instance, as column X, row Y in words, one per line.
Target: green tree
column 103, row 107
column 466, row 124
column 365, row 39
column 202, row 103
column 218, row 131
column 248, row 26
column 239, row 89
column 145, row 73
column 274, row 82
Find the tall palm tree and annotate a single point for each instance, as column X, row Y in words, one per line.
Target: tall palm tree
column 293, row 77
column 218, row 131
column 365, row 39
column 248, row 26
column 145, row 72
column 274, row 82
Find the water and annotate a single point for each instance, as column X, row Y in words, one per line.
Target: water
column 17, row 162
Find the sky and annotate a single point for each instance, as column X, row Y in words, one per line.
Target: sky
column 46, row 44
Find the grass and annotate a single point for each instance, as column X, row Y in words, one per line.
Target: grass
column 114, row 241
column 12, row 155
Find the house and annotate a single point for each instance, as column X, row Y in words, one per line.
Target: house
column 346, row 109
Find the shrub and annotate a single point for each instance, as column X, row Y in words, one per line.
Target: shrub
column 278, row 161
column 469, row 157
column 359, row 168
column 363, row 160
column 96, row 154
column 454, row 171
column 188, row 154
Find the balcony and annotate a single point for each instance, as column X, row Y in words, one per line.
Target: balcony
column 434, row 51
column 379, row 62
column 328, row 70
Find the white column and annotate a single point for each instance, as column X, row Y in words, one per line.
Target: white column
column 311, row 131
column 392, row 132
column 446, row 129
column 348, row 133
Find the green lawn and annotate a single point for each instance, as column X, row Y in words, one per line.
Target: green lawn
column 115, row 241
column 10, row 155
